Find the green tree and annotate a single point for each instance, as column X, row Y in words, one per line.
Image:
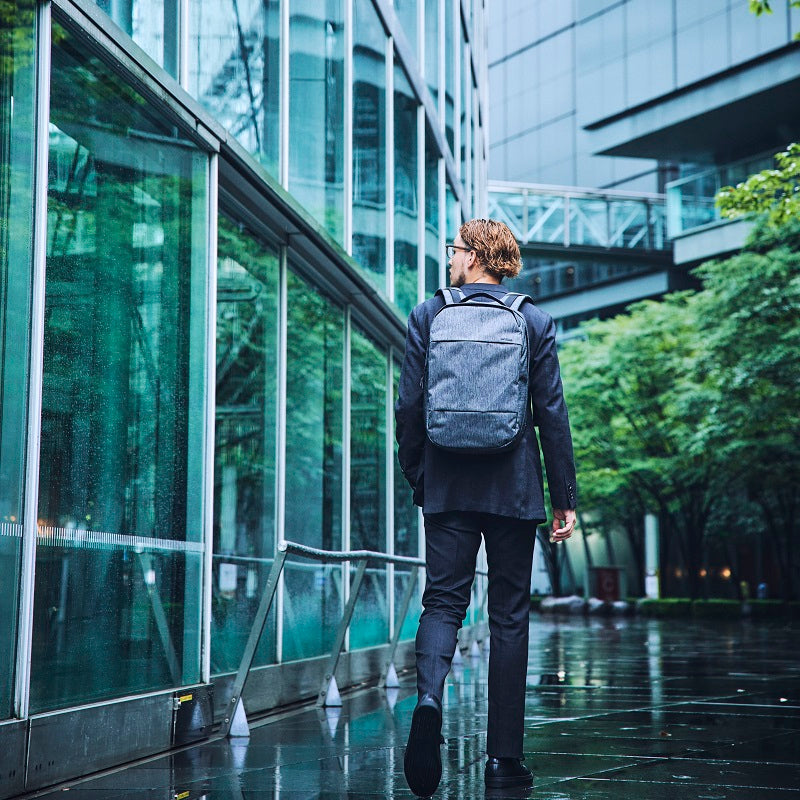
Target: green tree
column 774, row 193
column 759, row 7
column 749, row 320
column 637, row 401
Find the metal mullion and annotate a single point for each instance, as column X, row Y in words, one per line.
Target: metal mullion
column 389, row 438
column 280, row 440
column 389, row 168
column 441, row 104
column 443, row 232
column 211, row 401
column 348, row 126
column 346, row 421
column 35, row 364
column 283, row 102
column 421, row 157
column 457, row 97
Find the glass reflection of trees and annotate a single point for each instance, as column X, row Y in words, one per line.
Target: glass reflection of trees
column 118, row 572
column 368, row 483
column 314, row 385
column 405, row 193
column 244, row 455
column 16, row 227
column 234, row 69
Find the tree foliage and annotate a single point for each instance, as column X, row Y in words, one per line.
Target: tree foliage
column 687, row 408
column 772, row 192
column 759, row 7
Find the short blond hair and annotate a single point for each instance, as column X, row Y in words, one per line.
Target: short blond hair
column 495, row 246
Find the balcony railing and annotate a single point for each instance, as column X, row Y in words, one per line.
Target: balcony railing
column 690, row 200
column 567, row 217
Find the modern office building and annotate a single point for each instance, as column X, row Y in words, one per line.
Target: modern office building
column 593, row 100
column 216, row 216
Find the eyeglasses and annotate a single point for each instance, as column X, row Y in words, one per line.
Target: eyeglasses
column 450, row 249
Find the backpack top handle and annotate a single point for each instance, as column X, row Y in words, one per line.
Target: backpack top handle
column 453, row 295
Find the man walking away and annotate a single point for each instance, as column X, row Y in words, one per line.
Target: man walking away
column 480, row 373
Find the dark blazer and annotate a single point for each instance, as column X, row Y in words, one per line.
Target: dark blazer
column 509, row 484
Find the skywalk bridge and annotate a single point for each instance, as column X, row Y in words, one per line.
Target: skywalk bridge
column 587, row 252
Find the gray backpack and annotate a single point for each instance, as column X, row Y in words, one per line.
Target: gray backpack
column 476, row 390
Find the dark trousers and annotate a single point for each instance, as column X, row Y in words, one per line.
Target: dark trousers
column 452, row 540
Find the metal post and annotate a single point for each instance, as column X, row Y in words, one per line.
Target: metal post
column 160, row 617
column 36, row 366
column 340, row 634
column 252, row 643
column 412, row 580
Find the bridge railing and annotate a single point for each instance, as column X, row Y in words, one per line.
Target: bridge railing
column 566, row 217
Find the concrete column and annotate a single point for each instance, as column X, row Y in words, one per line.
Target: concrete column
column 651, row 567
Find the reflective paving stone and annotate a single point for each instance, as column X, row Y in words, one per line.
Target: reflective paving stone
column 615, row 710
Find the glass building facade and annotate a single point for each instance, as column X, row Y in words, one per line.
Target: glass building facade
column 216, row 217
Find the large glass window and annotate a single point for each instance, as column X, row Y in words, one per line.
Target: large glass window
column 152, row 24
column 406, row 11
column 450, row 54
column 120, row 553
column 432, row 47
column 316, row 110
column 369, row 141
column 406, row 179
column 368, row 484
column 314, row 385
column 16, row 211
column 234, row 70
column 466, row 128
column 433, row 251
column 406, row 534
column 244, row 459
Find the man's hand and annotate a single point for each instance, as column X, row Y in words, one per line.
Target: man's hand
column 567, row 516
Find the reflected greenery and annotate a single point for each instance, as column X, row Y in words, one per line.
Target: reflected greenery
column 368, row 410
column 117, row 598
column 17, row 78
column 244, row 457
column 314, row 385
column 406, row 180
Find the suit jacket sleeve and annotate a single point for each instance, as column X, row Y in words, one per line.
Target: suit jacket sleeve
column 550, row 416
column 410, row 424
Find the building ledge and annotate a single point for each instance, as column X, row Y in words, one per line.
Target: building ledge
column 711, row 241
column 714, row 120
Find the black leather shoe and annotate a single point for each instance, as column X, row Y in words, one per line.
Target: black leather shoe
column 423, row 761
column 503, row 773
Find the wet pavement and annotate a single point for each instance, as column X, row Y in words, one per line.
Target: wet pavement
column 616, row 710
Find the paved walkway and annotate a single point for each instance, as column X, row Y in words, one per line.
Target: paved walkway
column 616, row 709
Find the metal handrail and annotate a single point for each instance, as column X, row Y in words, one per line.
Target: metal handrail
column 346, row 555
column 234, row 708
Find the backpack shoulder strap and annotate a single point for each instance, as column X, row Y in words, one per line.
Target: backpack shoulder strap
column 451, row 295
column 514, row 300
